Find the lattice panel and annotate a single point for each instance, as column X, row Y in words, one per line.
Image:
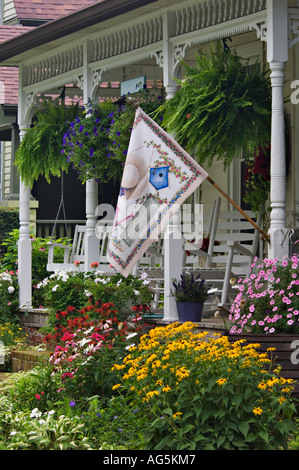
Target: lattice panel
column 129, row 39
column 53, row 66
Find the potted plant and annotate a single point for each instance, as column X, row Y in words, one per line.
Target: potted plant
column 221, row 107
column 96, row 143
column 266, row 310
column 190, row 293
column 40, row 150
column 257, row 181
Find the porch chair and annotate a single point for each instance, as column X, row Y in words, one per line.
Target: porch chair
column 71, row 253
column 153, row 261
column 76, row 251
column 234, row 243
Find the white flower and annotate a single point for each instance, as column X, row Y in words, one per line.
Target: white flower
column 130, row 335
column 136, row 292
column 54, row 289
column 87, row 332
column 212, row 290
column 35, row 413
column 87, row 293
column 83, row 342
column 13, row 433
column 51, row 412
column 99, row 279
column 144, row 275
column 11, row 289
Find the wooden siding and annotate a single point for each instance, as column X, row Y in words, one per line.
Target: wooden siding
column 9, row 11
column 6, row 168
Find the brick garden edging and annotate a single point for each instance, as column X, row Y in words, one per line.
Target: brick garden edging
column 26, row 360
column 284, row 349
column 31, row 321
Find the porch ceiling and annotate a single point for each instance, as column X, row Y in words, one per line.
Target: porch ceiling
column 74, row 27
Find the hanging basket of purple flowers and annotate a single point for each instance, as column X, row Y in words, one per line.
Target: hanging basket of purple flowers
column 86, row 143
column 96, row 143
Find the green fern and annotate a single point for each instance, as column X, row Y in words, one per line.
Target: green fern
column 40, row 150
column 220, row 107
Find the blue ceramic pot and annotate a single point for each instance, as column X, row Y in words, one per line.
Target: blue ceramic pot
column 190, row 311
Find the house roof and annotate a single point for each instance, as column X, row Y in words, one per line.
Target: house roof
column 9, row 76
column 8, row 32
column 49, row 10
column 15, row 51
column 30, row 10
column 9, row 79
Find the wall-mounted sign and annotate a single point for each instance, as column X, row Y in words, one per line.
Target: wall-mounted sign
column 132, row 86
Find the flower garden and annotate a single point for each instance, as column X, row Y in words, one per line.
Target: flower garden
column 109, row 381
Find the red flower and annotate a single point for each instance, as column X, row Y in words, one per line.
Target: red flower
column 95, row 264
column 66, row 374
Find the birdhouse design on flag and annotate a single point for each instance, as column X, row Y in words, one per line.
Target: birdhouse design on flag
column 159, row 177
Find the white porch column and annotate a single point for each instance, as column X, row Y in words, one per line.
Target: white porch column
column 91, row 241
column 173, row 264
column 277, row 56
column 91, row 201
column 24, row 244
column 173, row 238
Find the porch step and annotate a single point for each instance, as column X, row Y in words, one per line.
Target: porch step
column 27, row 359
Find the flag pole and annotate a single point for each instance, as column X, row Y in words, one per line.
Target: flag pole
column 265, row 236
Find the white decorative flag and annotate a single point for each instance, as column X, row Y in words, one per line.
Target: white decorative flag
column 158, row 176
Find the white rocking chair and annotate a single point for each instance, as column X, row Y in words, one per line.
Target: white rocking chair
column 71, row 253
column 234, row 243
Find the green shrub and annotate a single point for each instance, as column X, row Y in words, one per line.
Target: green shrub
column 35, row 430
column 9, row 220
column 9, row 303
column 11, row 337
column 74, row 288
column 39, row 259
column 198, row 393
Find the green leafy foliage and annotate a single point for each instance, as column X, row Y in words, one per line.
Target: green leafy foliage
column 40, row 150
column 39, row 249
column 220, row 108
column 41, row 431
column 76, row 288
column 257, row 181
column 9, row 220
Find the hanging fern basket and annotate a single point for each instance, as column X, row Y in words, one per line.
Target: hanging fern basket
column 40, row 150
column 221, row 107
